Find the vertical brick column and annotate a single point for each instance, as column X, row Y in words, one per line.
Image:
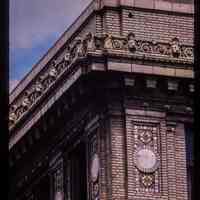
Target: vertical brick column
column 57, row 177
column 130, row 163
column 181, row 170
column 99, row 133
column 171, row 164
column 164, row 161
column 104, row 152
column 117, row 157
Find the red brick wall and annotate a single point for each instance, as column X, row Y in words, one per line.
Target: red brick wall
column 112, row 22
column 118, row 149
column 160, row 189
column 180, row 155
column 156, row 25
column 117, row 157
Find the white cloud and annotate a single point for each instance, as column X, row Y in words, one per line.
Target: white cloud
column 34, row 21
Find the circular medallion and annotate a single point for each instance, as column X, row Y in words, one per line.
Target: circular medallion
column 59, row 195
column 146, row 160
column 95, row 167
column 96, row 189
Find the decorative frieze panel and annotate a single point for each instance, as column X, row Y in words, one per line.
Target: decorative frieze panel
column 172, row 49
column 128, row 45
column 146, row 157
column 48, row 77
column 147, row 165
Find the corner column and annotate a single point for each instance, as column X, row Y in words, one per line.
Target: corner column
column 57, row 177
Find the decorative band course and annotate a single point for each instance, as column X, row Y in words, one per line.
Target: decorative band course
column 172, row 51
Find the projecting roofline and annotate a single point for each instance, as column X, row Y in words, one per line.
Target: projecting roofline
column 95, row 5
column 52, row 69
column 52, row 51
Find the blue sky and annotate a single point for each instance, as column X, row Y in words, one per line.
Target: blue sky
column 35, row 25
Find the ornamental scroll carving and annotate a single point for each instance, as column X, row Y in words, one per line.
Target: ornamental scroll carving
column 31, row 95
column 172, row 49
column 90, row 43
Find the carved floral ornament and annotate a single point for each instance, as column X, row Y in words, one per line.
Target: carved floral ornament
column 172, row 49
column 79, row 49
column 145, row 135
column 147, row 180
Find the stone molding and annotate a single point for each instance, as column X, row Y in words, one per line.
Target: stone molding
column 96, row 5
column 38, row 67
column 14, row 138
column 151, row 4
column 172, row 52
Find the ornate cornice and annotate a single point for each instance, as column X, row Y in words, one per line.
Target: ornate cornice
column 172, row 51
column 54, row 50
column 106, row 44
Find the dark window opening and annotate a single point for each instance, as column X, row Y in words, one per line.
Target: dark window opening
column 189, row 157
column 42, row 190
column 78, row 173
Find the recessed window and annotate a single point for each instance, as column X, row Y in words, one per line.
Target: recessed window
column 190, row 157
